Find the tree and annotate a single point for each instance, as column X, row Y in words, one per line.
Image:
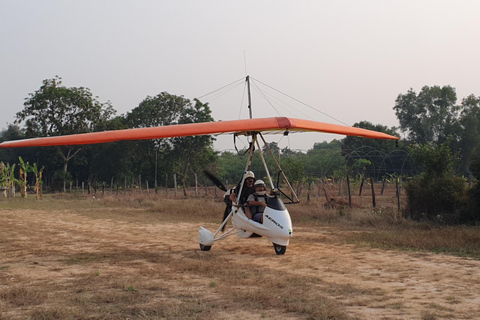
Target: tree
column 104, row 161
column 429, row 117
column 470, row 130
column 57, row 110
column 13, row 132
column 181, row 154
column 374, row 150
column 324, row 158
column 192, row 154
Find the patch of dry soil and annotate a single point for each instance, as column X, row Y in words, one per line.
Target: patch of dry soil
column 389, row 284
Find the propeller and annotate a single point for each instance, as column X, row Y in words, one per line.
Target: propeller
column 222, row 187
column 215, row 180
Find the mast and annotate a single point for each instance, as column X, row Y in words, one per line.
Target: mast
column 249, row 97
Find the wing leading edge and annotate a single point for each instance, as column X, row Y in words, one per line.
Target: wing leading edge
column 242, row 127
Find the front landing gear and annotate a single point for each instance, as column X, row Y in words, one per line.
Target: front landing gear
column 205, row 248
column 279, row 250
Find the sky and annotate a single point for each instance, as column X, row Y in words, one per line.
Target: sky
column 346, row 61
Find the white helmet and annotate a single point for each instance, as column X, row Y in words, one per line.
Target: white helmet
column 259, row 182
column 249, row 174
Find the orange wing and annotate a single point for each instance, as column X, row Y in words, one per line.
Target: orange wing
column 244, row 127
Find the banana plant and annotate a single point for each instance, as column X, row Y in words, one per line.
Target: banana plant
column 38, row 181
column 3, row 182
column 7, row 178
column 25, row 168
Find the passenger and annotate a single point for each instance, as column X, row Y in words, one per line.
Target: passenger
column 248, row 188
column 257, row 202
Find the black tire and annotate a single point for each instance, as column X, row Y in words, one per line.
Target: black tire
column 279, row 250
column 205, row 248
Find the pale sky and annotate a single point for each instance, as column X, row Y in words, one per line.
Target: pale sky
column 348, row 59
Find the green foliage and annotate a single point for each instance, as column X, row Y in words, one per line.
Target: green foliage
column 360, row 165
column 13, row 132
column 436, row 194
column 475, row 163
column 60, row 179
column 180, row 155
column 376, row 151
column 294, row 169
column 57, row 110
column 470, row 139
column 230, row 167
column 437, row 161
column 324, row 159
column 439, row 198
column 470, row 214
column 350, row 144
column 431, row 116
column 7, row 177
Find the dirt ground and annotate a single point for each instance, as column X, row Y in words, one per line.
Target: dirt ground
column 54, row 250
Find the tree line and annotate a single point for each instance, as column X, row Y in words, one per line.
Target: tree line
column 432, row 118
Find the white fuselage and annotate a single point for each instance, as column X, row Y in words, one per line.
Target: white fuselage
column 276, row 226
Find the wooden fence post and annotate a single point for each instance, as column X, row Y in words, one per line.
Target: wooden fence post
column 196, row 185
column 373, row 193
column 383, row 185
column 361, row 185
column 308, row 192
column 175, row 183
column 348, row 191
column 398, row 192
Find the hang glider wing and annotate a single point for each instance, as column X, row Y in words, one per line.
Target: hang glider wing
column 240, row 127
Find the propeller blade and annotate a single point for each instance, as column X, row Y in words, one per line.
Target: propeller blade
column 228, row 208
column 215, row 180
column 222, row 187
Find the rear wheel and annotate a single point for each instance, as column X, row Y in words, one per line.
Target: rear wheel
column 279, row 250
column 205, row 248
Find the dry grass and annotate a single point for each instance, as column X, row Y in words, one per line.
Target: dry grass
column 136, row 257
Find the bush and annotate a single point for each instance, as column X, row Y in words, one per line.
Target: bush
column 470, row 213
column 438, row 199
column 437, row 194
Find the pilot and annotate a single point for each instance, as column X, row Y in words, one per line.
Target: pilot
column 257, row 202
column 248, row 188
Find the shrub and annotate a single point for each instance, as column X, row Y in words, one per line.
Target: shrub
column 436, row 194
column 438, row 199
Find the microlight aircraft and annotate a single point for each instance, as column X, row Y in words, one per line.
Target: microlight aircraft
column 277, row 225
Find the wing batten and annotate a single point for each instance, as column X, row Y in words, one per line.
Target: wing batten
column 265, row 125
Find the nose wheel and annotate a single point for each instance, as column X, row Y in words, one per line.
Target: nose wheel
column 279, row 250
column 205, row 248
